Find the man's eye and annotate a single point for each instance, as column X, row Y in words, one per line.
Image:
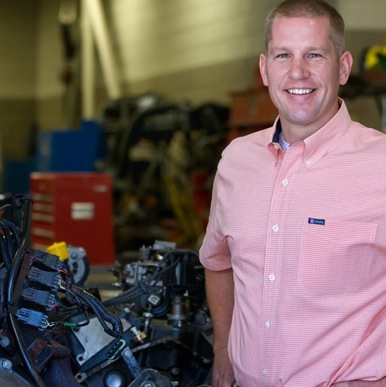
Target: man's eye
column 314, row 55
column 282, row 55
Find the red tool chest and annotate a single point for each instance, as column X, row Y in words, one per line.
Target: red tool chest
column 76, row 208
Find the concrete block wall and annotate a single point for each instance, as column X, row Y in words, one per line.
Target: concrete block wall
column 191, row 50
column 197, row 51
column 365, row 27
column 17, row 67
column 50, row 91
column 362, row 15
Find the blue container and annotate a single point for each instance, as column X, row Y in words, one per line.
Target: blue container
column 16, row 175
column 70, row 150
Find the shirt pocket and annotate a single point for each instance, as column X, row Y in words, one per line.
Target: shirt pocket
column 335, row 256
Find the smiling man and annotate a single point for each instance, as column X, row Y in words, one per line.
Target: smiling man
column 303, row 71
column 295, row 248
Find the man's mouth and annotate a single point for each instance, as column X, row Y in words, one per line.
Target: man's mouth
column 300, row 91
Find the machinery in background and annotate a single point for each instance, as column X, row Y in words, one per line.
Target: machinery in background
column 162, row 157
column 370, row 82
column 156, row 332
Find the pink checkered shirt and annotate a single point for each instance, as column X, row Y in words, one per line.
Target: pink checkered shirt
column 305, row 233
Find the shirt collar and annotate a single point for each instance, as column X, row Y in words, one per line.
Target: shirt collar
column 322, row 141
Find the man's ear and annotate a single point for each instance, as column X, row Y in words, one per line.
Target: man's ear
column 345, row 65
column 262, row 63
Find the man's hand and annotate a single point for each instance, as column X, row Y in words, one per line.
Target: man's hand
column 220, row 296
column 222, row 374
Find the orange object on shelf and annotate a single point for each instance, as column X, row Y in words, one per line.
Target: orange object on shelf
column 251, row 110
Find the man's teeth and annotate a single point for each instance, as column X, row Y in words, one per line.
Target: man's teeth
column 300, row 91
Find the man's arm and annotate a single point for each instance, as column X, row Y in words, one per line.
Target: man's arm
column 219, row 292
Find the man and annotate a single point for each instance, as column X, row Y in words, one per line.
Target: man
column 295, row 248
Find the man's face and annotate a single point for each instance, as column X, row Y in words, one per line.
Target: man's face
column 303, row 74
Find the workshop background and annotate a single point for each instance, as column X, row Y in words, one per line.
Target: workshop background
column 125, row 105
column 113, row 117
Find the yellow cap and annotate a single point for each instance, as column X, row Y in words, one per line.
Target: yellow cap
column 59, row 249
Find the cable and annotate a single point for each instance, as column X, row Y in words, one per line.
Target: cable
column 6, row 248
column 6, row 258
column 26, row 203
column 14, row 229
column 100, row 312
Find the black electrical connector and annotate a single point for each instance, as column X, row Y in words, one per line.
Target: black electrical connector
column 39, row 297
column 24, row 202
column 50, row 280
column 33, row 318
column 46, row 260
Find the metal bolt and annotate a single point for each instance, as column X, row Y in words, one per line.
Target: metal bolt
column 148, row 384
column 126, row 352
column 4, row 341
column 7, row 365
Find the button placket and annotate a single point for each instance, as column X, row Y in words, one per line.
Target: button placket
column 274, row 253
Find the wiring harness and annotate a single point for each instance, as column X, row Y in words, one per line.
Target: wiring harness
column 37, row 292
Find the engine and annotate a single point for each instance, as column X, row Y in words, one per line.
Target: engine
column 166, row 323
column 155, row 332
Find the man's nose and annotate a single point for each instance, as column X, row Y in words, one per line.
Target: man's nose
column 299, row 68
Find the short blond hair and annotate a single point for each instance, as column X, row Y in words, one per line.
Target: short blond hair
column 309, row 8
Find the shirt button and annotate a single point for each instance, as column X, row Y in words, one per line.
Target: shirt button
column 285, row 182
column 267, row 324
column 264, row 372
column 275, row 228
column 272, row 277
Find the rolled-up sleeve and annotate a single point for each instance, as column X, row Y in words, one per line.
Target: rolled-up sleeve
column 214, row 252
